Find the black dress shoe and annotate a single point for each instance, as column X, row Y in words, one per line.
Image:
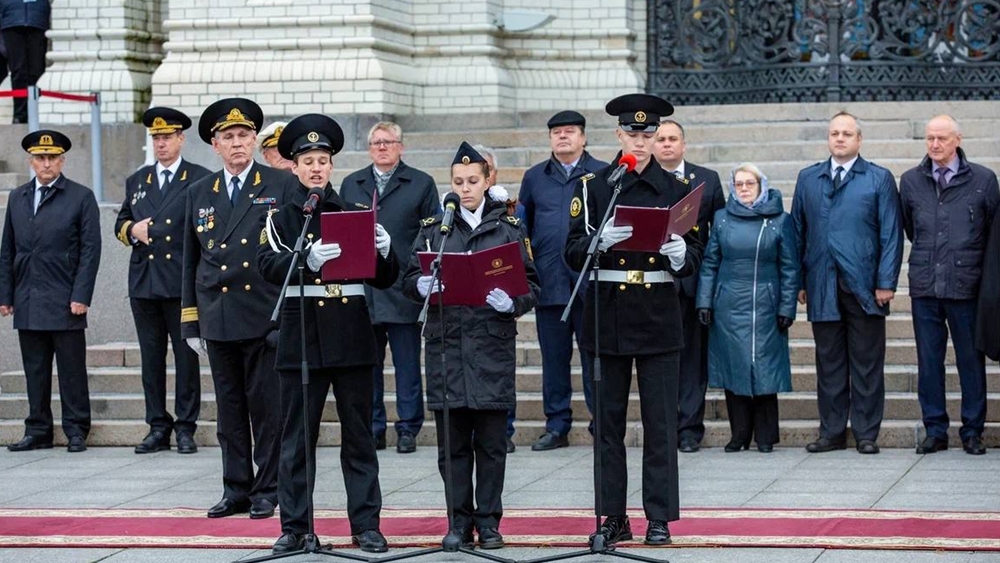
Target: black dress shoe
column 289, row 541
column 371, row 541
column 227, row 507
column 511, row 448
column 461, row 537
column 490, row 538
column 688, row 445
column 261, row 508
column 657, row 533
column 932, row 444
column 185, row 443
column 380, row 441
column 867, row 447
column 614, row 529
column 155, row 441
column 974, row 446
column 826, row 445
column 76, row 444
column 406, row 443
column 549, row 441
column 765, row 448
column 30, row 443
column 734, row 446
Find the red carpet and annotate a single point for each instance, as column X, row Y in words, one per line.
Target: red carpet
column 829, row 528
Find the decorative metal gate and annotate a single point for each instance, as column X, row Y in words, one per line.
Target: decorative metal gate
column 760, row 51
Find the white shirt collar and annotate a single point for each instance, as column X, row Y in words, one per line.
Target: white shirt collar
column 172, row 168
column 847, row 165
column 52, row 183
column 242, row 176
column 678, row 170
column 474, row 218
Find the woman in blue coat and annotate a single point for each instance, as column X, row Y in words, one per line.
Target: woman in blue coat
column 746, row 294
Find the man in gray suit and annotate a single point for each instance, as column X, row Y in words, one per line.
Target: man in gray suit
column 402, row 197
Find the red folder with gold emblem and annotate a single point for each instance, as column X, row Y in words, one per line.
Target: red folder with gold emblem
column 469, row 277
column 354, row 231
column 652, row 226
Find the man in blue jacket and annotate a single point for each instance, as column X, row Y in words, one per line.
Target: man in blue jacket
column 23, row 24
column 546, row 191
column 948, row 205
column 847, row 215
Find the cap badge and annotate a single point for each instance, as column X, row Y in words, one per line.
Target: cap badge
column 466, row 160
column 312, row 136
column 235, row 115
column 277, row 132
column 640, row 117
column 45, row 141
column 159, row 122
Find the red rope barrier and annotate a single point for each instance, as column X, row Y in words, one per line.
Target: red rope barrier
column 23, row 93
column 19, row 93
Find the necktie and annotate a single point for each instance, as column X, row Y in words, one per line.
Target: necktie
column 235, row 195
column 942, row 180
column 165, row 182
column 678, row 174
column 40, row 195
column 569, row 169
column 838, row 177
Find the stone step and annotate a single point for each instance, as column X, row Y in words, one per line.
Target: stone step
column 800, row 405
column 793, row 433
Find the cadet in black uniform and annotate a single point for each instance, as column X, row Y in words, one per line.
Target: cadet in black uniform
column 640, row 320
column 48, row 265
column 480, row 348
column 151, row 221
column 227, row 305
column 340, row 342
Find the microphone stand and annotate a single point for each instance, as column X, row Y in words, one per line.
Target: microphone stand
column 452, row 542
column 593, row 264
column 311, row 543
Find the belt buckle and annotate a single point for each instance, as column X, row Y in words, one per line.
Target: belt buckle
column 333, row 290
column 633, row 277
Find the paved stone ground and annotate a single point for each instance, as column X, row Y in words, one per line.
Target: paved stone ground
column 790, row 477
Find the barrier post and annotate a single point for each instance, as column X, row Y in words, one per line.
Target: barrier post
column 97, row 165
column 33, row 109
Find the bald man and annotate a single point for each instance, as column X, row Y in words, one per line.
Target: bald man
column 948, row 205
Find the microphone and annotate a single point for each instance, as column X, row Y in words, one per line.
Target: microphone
column 451, row 202
column 626, row 164
column 312, row 200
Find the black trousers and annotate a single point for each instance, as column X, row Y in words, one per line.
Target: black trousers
column 693, row 375
column 70, row 350
column 352, row 391
column 478, row 440
column 156, row 320
column 753, row 417
column 657, row 375
column 850, row 370
column 26, row 47
column 249, row 417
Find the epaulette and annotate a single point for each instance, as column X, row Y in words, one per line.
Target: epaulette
column 429, row 221
column 512, row 220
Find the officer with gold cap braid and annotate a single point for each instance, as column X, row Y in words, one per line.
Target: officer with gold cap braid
column 226, row 304
column 340, row 342
column 151, row 221
column 267, row 144
column 49, row 256
column 640, row 320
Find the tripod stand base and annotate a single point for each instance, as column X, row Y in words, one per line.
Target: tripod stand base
column 444, row 549
column 310, row 546
column 598, row 548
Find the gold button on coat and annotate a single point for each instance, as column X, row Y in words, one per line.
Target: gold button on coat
column 225, row 290
column 244, row 241
column 224, row 268
column 621, row 287
column 344, row 301
column 223, row 245
column 247, row 287
column 246, row 264
column 168, row 238
column 652, row 260
column 150, row 256
column 621, row 261
column 168, row 221
column 321, row 303
column 168, row 257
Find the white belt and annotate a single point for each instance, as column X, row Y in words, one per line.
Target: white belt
column 329, row 290
column 633, row 276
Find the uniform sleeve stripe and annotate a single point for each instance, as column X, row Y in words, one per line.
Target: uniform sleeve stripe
column 123, row 233
column 189, row 315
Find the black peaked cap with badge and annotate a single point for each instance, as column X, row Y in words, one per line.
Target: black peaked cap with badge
column 46, row 141
column 165, row 121
column 567, row 117
column 467, row 155
column 639, row 112
column 311, row 131
column 229, row 112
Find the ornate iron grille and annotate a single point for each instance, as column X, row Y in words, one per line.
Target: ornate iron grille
column 760, row 51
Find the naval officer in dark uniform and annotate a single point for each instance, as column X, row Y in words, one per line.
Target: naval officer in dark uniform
column 151, row 221
column 640, row 320
column 340, row 341
column 48, row 265
column 226, row 305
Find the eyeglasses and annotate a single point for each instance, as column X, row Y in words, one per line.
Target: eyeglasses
column 748, row 183
column 381, row 144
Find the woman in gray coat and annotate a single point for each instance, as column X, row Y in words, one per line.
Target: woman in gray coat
column 746, row 294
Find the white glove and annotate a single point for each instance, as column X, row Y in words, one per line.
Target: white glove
column 424, row 286
column 499, row 300
column 320, row 254
column 612, row 235
column 382, row 240
column 196, row 344
column 676, row 250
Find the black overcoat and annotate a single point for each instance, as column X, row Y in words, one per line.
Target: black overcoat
column 987, row 323
column 712, row 200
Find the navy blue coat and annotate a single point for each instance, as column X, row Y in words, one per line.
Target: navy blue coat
column 18, row 13
column 712, row 200
column 749, row 277
column 49, row 259
column 856, row 232
column 545, row 196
